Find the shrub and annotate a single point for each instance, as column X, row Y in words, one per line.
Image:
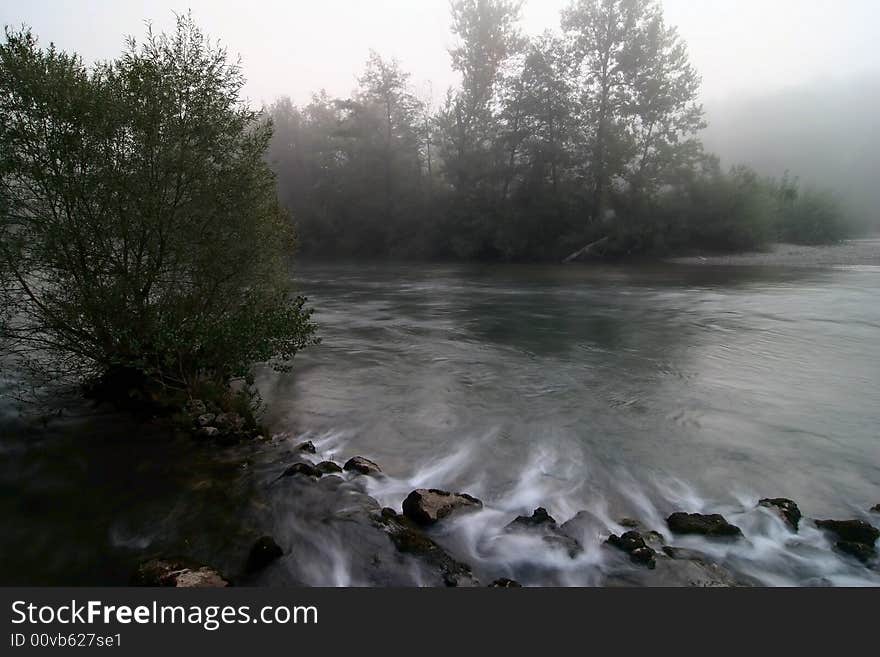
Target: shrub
column 140, row 230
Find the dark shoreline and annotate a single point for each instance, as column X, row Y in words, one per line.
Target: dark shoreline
column 860, row 252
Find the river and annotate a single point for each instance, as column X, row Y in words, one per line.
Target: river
column 631, row 391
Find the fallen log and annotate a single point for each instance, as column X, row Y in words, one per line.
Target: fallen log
column 587, row 250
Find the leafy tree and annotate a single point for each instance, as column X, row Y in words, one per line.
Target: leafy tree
column 637, row 97
column 140, row 231
column 469, row 125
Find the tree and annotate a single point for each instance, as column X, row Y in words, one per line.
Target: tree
column 538, row 135
column 141, row 231
column 384, row 90
column 468, row 123
column 637, row 96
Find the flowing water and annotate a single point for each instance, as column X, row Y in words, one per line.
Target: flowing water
column 629, row 391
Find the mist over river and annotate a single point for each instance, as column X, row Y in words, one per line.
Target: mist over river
column 630, row 391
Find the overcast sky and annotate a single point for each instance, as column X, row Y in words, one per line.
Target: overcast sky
column 293, row 47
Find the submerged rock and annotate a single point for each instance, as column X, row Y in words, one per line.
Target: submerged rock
column 854, row 531
column 306, row 469
column 861, row 551
column 542, row 524
column 787, row 510
column 651, row 537
column 428, row 506
column 178, row 573
column 505, row 583
column 584, row 527
column 362, row 466
column 409, row 539
column 679, row 567
column 308, row 447
column 328, row 467
column 634, row 545
column 263, row 552
column 713, row 525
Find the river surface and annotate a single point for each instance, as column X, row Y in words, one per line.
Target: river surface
column 630, row 391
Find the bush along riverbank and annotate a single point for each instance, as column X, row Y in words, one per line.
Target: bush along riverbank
column 416, row 544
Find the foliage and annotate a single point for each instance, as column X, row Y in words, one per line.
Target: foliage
column 810, row 216
column 140, row 229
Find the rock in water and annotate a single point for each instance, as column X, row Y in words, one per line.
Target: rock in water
column 786, row 508
column 409, row 539
column 542, row 524
column 178, row 573
column 634, row 545
column 539, row 518
column 207, row 432
column 875, row 508
column 263, row 552
column 861, row 551
column 302, row 468
column 328, row 467
column 705, row 525
column 362, row 466
column 308, row 447
column 428, row 506
column 854, row 531
column 505, row 583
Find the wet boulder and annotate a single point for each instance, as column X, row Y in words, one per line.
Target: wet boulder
column 712, row 525
column 540, row 518
column 328, row 467
column 306, row 469
column 584, row 527
column 861, row 551
column 875, row 508
column 308, row 447
column 855, row 537
column 429, row 506
column 207, row 432
column 653, row 539
column 679, row 567
column 363, row 466
column 263, row 552
column 853, row 531
column 542, row 524
column 178, row 573
column 633, row 544
column 505, row 583
column 785, row 508
column 410, row 539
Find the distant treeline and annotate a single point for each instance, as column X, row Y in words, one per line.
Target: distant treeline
column 549, row 144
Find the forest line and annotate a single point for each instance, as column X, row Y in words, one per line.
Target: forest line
column 584, row 135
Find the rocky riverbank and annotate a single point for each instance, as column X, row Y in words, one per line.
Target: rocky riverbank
column 412, row 544
column 850, row 253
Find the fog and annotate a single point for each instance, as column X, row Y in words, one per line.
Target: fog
column 788, row 84
column 296, row 47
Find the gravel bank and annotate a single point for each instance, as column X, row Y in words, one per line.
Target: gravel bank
column 852, row 253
